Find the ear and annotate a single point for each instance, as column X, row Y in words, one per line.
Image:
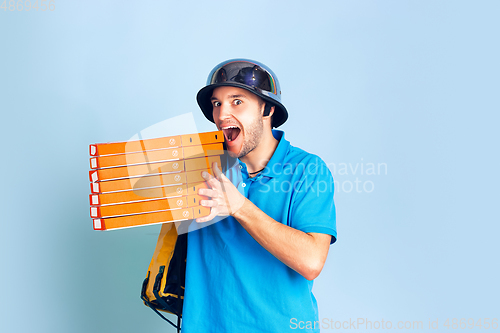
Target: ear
column 271, row 112
column 268, row 110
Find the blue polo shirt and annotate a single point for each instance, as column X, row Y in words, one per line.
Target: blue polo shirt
column 233, row 284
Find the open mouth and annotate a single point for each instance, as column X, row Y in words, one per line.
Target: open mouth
column 231, row 133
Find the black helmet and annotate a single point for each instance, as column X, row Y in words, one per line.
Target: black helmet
column 246, row 74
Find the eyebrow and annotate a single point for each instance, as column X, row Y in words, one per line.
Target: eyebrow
column 230, row 96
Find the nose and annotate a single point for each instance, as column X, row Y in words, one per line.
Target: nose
column 222, row 112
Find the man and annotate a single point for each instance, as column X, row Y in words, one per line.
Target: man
column 253, row 270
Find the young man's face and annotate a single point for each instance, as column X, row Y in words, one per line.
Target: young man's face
column 238, row 113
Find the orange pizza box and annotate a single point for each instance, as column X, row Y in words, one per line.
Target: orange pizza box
column 153, row 168
column 135, row 170
column 114, row 148
column 161, row 155
column 202, row 163
column 141, row 157
column 146, row 194
column 145, row 206
column 150, row 218
column 139, row 183
column 202, row 138
column 148, row 181
column 210, row 149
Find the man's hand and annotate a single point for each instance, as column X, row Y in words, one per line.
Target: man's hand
column 225, row 197
column 303, row 252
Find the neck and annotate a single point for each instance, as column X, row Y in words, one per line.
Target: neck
column 257, row 159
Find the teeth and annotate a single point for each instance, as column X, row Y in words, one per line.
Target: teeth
column 229, row 127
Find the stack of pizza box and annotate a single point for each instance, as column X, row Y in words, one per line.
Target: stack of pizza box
column 151, row 181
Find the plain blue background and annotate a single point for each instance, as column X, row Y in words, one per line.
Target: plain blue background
column 412, row 84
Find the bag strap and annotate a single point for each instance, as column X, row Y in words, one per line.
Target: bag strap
column 151, row 306
column 145, row 298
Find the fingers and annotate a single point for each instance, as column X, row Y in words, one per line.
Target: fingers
column 211, row 180
column 207, row 176
column 208, row 192
column 213, row 213
column 218, row 206
column 209, row 203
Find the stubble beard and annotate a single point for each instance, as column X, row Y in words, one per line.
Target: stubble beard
column 253, row 136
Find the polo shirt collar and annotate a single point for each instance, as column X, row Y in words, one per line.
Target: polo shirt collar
column 274, row 167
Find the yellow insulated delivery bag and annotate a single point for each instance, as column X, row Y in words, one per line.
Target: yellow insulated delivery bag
column 163, row 288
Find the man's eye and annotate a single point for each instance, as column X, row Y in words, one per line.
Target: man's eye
column 237, row 102
column 216, row 103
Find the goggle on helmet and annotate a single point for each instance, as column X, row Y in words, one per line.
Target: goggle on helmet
column 246, row 74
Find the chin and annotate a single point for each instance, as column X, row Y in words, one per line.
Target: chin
column 233, row 154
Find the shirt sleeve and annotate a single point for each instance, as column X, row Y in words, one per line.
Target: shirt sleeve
column 313, row 207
